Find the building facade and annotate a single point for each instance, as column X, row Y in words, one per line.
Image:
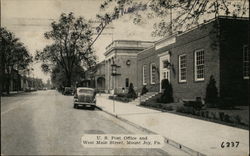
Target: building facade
column 218, row 48
column 123, row 53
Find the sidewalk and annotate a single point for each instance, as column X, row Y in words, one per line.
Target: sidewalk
column 198, row 135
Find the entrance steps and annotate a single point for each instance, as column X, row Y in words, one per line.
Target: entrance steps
column 144, row 97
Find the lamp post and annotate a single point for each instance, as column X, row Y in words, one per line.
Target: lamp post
column 114, row 74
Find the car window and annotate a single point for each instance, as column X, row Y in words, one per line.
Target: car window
column 86, row 91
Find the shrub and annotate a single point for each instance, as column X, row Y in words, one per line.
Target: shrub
column 167, row 96
column 221, row 115
column 168, row 108
column 122, row 99
column 237, row 119
column 144, row 90
column 202, row 114
column 131, row 92
column 195, row 104
column 197, row 112
column 211, row 92
column 213, row 115
column 180, row 109
column 121, row 95
column 207, row 114
column 227, row 118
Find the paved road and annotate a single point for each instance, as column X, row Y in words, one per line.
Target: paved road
column 45, row 122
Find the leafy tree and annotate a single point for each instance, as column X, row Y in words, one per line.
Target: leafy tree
column 211, row 92
column 71, row 46
column 176, row 15
column 14, row 56
column 59, row 79
column 131, row 91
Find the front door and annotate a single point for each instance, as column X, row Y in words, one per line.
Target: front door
column 164, row 70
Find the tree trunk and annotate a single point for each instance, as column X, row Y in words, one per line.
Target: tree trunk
column 68, row 75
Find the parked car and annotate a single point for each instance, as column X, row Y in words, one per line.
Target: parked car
column 68, row 91
column 85, row 97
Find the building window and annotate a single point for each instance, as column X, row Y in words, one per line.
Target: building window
column 199, row 65
column 245, row 62
column 127, row 82
column 144, row 75
column 153, row 73
column 182, row 68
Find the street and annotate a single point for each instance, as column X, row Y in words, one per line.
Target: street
column 44, row 122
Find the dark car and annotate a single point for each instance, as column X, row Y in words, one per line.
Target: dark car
column 68, row 91
column 85, row 97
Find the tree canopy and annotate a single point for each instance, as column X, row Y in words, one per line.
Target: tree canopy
column 176, row 15
column 71, row 45
column 13, row 56
column 13, row 52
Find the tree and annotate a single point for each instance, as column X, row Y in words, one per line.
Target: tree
column 131, row 91
column 167, row 96
column 14, row 56
column 59, row 79
column 71, row 46
column 211, row 92
column 177, row 15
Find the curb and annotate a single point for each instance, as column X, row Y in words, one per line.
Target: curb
column 166, row 140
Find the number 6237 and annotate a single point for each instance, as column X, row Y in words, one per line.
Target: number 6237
column 230, row 144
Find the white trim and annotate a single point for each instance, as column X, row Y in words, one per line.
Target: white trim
column 179, row 70
column 143, row 73
column 151, row 77
column 195, row 66
column 165, row 42
column 110, row 56
column 126, row 54
column 163, row 54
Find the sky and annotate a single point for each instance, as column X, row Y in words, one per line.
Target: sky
column 30, row 19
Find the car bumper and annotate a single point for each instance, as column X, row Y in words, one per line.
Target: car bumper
column 84, row 103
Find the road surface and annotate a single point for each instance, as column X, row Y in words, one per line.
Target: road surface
column 44, row 122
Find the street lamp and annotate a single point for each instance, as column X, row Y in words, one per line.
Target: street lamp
column 114, row 74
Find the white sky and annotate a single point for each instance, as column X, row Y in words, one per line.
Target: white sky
column 30, row 19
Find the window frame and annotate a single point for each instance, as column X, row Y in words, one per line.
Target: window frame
column 179, row 61
column 151, row 76
column 195, row 65
column 245, row 60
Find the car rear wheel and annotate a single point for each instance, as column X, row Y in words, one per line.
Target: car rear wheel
column 92, row 107
column 75, row 106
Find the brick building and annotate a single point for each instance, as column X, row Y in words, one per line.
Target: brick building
column 217, row 48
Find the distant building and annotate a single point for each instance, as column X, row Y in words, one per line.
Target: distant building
column 123, row 53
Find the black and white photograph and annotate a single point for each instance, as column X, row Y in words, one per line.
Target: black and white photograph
column 124, row 77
